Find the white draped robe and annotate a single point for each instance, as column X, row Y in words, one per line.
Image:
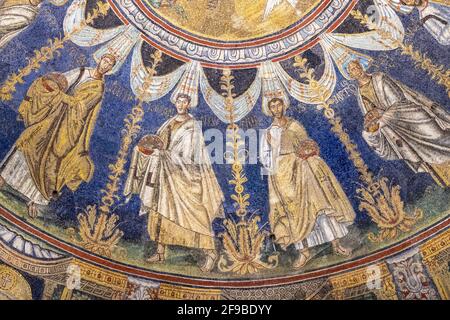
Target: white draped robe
column 14, row 19
column 178, row 187
column 412, row 127
column 436, row 19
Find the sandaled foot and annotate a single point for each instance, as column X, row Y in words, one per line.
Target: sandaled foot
column 32, row 210
column 210, row 262
column 2, row 182
column 302, row 260
column 156, row 258
column 342, row 251
column 159, row 255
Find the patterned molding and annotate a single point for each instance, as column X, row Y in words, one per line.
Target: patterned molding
column 317, row 289
column 219, row 55
column 374, row 279
column 32, row 266
column 411, row 277
column 421, row 272
column 174, row 292
column 16, row 242
column 436, row 257
column 102, row 276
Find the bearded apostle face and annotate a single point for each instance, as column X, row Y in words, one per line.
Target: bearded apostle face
column 276, row 107
column 355, row 70
column 106, row 64
column 182, row 104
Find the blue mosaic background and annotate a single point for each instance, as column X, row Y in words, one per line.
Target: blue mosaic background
column 106, row 138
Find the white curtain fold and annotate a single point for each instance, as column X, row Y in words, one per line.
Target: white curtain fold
column 271, row 79
column 303, row 92
column 156, row 87
column 243, row 104
column 343, row 55
column 118, row 41
column 87, row 36
column 272, row 86
column 189, row 83
column 385, row 19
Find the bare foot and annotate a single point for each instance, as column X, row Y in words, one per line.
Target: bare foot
column 340, row 250
column 210, row 262
column 303, row 258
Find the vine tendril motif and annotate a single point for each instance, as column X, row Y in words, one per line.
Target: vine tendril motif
column 243, row 241
column 438, row 73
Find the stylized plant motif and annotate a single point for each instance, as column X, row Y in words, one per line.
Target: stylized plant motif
column 243, row 241
column 386, row 209
column 97, row 233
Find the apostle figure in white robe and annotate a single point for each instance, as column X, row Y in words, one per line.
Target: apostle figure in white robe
column 434, row 16
column 15, row 16
column 307, row 204
column 59, row 112
column 179, row 191
column 401, row 124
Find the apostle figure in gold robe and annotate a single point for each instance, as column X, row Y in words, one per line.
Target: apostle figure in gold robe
column 59, row 112
column 172, row 173
column 401, row 124
column 307, row 204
